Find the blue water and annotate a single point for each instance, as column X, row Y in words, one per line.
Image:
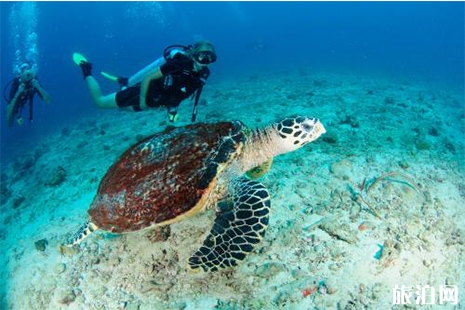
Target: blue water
column 423, row 39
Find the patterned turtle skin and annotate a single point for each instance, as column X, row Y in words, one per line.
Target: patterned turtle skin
column 163, row 176
column 181, row 171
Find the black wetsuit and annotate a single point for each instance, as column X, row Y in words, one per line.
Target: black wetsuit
column 27, row 96
column 179, row 82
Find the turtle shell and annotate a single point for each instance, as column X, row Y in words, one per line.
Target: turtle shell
column 164, row 176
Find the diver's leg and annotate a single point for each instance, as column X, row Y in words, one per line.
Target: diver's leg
column 13, row 110
column 104, row 102
column 31, row 108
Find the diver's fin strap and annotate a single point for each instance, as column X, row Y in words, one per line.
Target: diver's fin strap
column 240, row 224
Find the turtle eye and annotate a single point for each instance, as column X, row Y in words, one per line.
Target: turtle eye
column 307, row 127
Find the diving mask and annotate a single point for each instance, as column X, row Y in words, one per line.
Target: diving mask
column 205, row 57
column 25, row 73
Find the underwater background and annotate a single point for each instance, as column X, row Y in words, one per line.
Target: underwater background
column 385, row 78
column 413, row 39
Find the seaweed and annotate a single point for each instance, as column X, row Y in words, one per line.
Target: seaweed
column 367, row 186
column 408, row 181
column 359, row 198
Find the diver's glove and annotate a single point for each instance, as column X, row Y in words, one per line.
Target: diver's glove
column 173, row 116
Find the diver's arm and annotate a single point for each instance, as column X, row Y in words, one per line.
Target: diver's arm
column 43, row 94
column 11, row 106
column 144, row 86
column 9, row 113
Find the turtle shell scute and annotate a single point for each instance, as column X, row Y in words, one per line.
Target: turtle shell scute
column 163, row 176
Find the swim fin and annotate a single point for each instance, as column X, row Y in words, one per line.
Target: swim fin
column 82, row 62
column 112, row 78
column 122, row 81
column 78, row 58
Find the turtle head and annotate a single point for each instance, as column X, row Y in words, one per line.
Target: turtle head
column 297, row 131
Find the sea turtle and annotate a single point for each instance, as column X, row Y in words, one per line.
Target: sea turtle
column 181, row 171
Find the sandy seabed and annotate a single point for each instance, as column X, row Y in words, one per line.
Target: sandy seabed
column 376, row 202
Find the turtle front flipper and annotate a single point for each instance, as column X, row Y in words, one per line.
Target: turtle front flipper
column 81, row 234
column 238, row 227
column 260, row 170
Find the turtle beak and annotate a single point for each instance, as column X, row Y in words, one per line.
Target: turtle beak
column 319, row 129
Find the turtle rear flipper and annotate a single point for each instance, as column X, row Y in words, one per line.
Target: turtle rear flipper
column 237, row 228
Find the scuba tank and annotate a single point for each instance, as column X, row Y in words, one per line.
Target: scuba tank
column 171, row 52
column 141, row 74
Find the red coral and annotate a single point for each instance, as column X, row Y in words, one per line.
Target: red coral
column 308, row 291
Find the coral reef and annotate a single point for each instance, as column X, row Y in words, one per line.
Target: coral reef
column 352, row 215
column 57, row 177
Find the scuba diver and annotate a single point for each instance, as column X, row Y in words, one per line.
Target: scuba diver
column 22, row 91
column 178, row 75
